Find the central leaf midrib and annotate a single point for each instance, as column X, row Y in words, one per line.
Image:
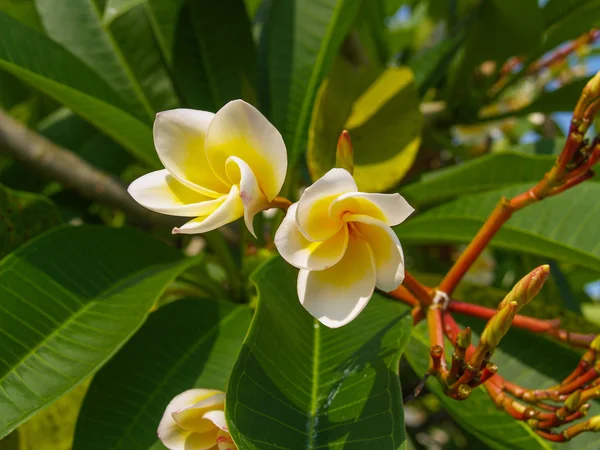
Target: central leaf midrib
column 315, row 385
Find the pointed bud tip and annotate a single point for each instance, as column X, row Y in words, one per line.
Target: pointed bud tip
column 464, row 338
column 572, row 402
column 344, row 157
column 595, row 345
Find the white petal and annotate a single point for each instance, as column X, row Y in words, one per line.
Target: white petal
column 202, row 441
column 337, row 295
column 312, row 215
column 239, row 129
column 179, row 137
column 389, row 208
column 193, row 417
column 217, row 417
column 159, row 191
column 387, row 251
column 231, row 209
column 303, row 254
column 252, row 197
column 169, row 432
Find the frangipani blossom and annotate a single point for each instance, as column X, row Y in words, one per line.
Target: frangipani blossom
column 218, row 167
column 341, row 241
column 195, row 420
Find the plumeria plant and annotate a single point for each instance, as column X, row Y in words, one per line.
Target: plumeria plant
column 299, row 224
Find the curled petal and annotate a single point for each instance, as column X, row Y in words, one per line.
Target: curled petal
column 202, row 441
column 231, row 209
column 217, row 417
column 391, row 209
column 169, row 432
column 337, row 295
column 303, row 254
column 252, row 197
column 312, row 214
column 238, row 129
column 194, row 417
column 179, row 137
column 387, row 251
column 159, row 191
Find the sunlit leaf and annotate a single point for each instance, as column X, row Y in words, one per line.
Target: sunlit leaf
column 84, row 292
column 300, row 385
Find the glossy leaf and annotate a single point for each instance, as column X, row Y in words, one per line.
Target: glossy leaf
column 477, row 414
column 124, row 52
column 116, row 8
column 50, row 68
column 491, row 171
column 188, row 343
column 84, row 292
column 300, row 385
column 303, row 39
column 562, row 227
column 22, row 217
column 383, row 118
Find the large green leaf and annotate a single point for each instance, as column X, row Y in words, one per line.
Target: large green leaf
column 23, row 216
column 188, row 343
column 488, row 172
column 477, row 414
column 568, row 19
column 563, row 227
column 300, row 385
column 47, row 66
column 303, row 39
column 77, row 25
column 69, row 299
column 382, row 115
column 24, row 11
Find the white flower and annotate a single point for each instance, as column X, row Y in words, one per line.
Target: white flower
column 341, row 241
column 218, row 167
column 195, row 420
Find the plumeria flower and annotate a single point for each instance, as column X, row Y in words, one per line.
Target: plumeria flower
column 341, row 241
column 195, row 420
column 218, row 167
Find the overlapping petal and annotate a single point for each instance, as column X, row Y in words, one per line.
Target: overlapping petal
column 312, row 215
column 391, row 209
column 238, row 129
column 159, row 191
column 179, row 137
column 253, row 199
column 303, row 254
column 387, row 251
column 337, row 295
column 231, row 209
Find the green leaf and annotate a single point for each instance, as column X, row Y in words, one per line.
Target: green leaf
column 70, row 299
column 568, row 19
column 123, row 52
column 24, row 11
column 562, row 227
column 48, row 67
column 303, row 39
column 380, row 113
column 477, row 414
column 188, row 343
column 116, row 8
column 23, row 216
column 300, row 385
column 211, row 64
column 164, row 16
column 491, row 171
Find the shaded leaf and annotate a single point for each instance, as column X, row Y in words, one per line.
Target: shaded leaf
column 300, row 385
column 188, row 343
column 22, row 217
column 83, row 291
column 562, row 227
column 48, row 67
column 303, row 39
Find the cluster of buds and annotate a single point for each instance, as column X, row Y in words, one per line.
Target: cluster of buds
column 472, row 366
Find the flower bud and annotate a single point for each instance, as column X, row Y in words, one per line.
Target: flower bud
column 498, row 326
column 572, row 402
column 344, row 156
column 595, row 345
column 464, row 338
column 527, row 288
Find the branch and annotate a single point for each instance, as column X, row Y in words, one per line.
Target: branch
column 59, row 164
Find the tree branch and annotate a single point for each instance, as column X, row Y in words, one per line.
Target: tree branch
column 59, row 164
